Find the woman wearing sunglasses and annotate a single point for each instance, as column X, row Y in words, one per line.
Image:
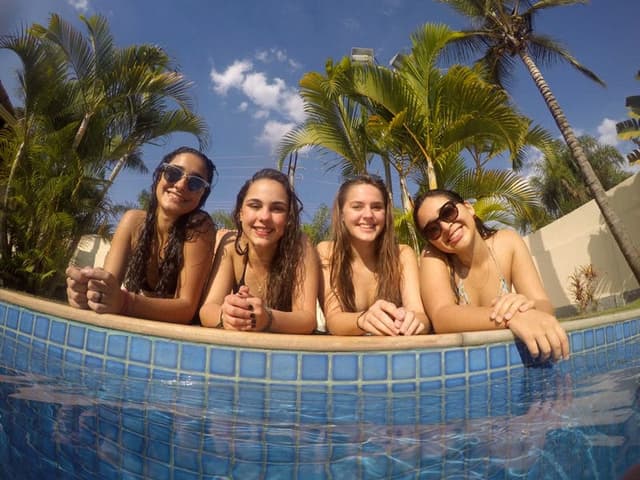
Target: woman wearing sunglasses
column 267, row 274
column 160, row 257
column 467, row 271
column 370, row 282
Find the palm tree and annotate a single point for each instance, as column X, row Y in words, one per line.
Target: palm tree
column 630, row 129
column 503, row 31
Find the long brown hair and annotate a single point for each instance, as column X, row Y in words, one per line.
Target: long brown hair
column 287, row 266
column 185, row 228
column 387, row 266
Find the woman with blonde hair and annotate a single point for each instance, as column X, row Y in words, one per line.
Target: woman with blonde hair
column 370, row 281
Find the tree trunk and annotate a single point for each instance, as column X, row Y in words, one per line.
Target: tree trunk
column 82, row 129
column 4, row 241
column 627, row 247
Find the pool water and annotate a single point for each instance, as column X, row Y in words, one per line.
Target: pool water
column 579, row 419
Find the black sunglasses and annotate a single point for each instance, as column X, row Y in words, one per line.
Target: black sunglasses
column 174, row 173
column 448, row 213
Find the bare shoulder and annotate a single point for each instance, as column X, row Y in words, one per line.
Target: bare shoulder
column 507, row 240
column 132, row 220
column 406, row 250
column 324, row 250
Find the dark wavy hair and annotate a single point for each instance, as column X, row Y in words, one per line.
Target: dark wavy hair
column 388, row 264
column 185, row 228
column 287, row 266
column 485, row 231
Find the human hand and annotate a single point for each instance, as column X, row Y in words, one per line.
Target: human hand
column 542, row 334
column 103, row 291
column 506, row 306
column 244, row 311
column 77, row 282
column 410, row 324
column 382, row 318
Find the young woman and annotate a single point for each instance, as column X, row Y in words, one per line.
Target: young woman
column 370, row 282
column 467, row 271
column 161, row 257
column 266, row 278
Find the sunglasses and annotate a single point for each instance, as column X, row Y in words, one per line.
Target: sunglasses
column 448, row 213
column 174, row 173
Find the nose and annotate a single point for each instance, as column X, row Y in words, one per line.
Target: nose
column 264, row 214
column 182, row 183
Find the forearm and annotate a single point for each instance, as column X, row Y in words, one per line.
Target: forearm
column 173, row 310
column 344, row 323
column 297, row 322
column 210, row 314
column 463, row 318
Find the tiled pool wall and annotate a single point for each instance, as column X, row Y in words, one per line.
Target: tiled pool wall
column 146, row 357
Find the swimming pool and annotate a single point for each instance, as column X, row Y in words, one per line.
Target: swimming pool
column 80, row 400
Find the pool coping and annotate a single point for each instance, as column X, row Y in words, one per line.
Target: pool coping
column 279, row 341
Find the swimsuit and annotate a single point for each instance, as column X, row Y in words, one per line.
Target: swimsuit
column 461, row 293
column 241, row 283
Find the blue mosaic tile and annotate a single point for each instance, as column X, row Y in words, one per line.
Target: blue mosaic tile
column 253, row 364
column 215, row 465
column 140, row 350
column 626, row 327
column 157, row 470
column 13, row 314
column 610, row 334
column 115, row 368
column 42, row 327
column 315, row 367
column 280, row 471
column 73, row 357
column 600, row 336
column 157, row 449
column 26, row 323
column 576, row 340
column 132, row 462
column 619, row 334
column 430, row 364
column 222, row 362
column 344, row 367
column 58, row 333
column 477, row 359
column 93, row 362
column 186, row 458
column 185, row 475
column 138, row 371
column 96, row 340
column 161, row 374
column 117, row 346
column 165, row 354
column 454, row 361
column 589, row 340
column 3, row 314
column 193, row 357
column 403, row 366
column 498, row 356
column 515, row 354
column 374, row 367
column 75, row 337
column 430, row 385
column 282, row 404
column 284, row 366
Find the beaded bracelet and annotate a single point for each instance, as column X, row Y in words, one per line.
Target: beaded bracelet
column 269, row 319
column 220, row 322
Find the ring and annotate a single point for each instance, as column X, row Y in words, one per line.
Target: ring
column 99, row 297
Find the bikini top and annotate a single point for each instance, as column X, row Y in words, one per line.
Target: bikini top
column 241, row 282
column 461, row 293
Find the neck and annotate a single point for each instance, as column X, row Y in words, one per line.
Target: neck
column 365, row 251
column 476, row 254
column 164, row 223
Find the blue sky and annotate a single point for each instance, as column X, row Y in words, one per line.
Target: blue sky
column 245, row 59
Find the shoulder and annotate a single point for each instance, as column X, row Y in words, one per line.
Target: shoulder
column 506, row 239
column 132, row 219
column 324, row 250
column 405, row 250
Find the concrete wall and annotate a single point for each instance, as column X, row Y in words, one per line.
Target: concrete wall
column 582, row 238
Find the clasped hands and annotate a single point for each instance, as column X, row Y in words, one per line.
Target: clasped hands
column 95, row 289
column 385, row 318
column 244, row 311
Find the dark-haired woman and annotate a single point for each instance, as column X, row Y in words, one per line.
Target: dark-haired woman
column 467, row 271
column 267, row 274
column 370, row 281
column 161, row 258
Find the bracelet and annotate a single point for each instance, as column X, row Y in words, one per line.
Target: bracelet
column 220, row 322
column 358, row 321
column 269, row 319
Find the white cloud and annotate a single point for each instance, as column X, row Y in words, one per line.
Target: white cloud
column 232, row 77
column 243, row 106
column 261, row 92
column 293, row 105
column 80, row 5
column 607, row 131
column 273, row 132
column 261, row 114
column 276, row 55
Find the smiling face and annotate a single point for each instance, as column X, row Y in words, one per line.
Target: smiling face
column 363, row 212
column 455, row 230
column 264, row 213
column 175, row 199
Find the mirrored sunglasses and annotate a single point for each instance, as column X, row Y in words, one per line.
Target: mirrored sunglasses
column 174, row 173
column 448, row 213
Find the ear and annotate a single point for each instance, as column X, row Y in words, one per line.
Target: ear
column 470, row 208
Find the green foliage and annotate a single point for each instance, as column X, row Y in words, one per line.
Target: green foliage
column 88, row 107
column 320, row 227
column 223, row 219
column 630, row 129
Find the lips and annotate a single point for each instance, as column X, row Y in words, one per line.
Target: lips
column 455, row 234
column 262, row 231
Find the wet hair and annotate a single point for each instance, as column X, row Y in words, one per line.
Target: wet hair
column 387, row 268
column 185, row 228
column 287, row 266
column 484, row 230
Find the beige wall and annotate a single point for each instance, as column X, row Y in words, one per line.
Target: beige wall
column 581, row 238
